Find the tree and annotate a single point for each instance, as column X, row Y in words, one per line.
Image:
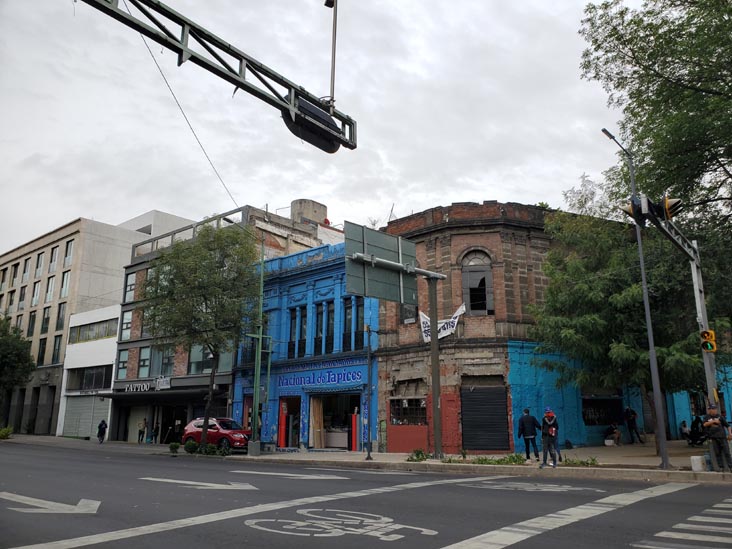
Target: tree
column 16, row 361
column 200, row 292
column 593, row 309
column 666, row 66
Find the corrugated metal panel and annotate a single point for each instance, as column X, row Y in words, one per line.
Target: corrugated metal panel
column 484, row 418
column 78, row 416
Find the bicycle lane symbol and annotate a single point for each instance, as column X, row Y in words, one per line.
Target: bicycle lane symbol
column 332, row 522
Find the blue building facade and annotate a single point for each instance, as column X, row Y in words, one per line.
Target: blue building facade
column 583, row 415
column 314, row 384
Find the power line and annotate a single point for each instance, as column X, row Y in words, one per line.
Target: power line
column 182, row 111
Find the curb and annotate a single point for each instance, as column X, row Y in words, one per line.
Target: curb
column 600, row 473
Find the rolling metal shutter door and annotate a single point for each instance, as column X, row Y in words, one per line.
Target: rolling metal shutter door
column 78, row 416
column 485, row 418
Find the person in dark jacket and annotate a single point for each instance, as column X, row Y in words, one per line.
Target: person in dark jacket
column 549, row 433
column 631, row 421
column 101, row 431
column 528, row 425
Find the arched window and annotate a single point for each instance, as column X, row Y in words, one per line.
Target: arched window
column 478, row 284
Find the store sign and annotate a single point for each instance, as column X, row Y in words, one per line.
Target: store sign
column 323, row 377
column 162, row 383
column 139, row 387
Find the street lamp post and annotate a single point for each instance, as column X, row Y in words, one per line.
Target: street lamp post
column 655, row 381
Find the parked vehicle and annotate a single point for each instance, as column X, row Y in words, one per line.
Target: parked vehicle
column 224, row 432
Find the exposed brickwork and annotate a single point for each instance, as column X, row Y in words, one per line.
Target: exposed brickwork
column 512, row 236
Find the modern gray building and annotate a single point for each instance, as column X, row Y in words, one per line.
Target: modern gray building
column 75, row 268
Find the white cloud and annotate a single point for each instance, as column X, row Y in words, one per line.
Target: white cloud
column 454, row 102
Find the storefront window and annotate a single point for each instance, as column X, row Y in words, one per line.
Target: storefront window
column 408, row 411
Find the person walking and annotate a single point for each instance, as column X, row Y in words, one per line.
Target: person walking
column 718, row 430
column 141, row 428
column 549, row 433
column 631, row 420
column 528, row 425
column 101, row 431
column 156, row 432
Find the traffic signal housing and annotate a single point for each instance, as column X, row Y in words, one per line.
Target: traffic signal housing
column 637, row 208
column 671, row 206
column 709, row 341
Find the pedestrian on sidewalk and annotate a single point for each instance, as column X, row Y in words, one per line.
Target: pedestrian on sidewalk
column 156, row 432
column 101, row 431
column 549, row 433
column 528, row 425
column 141, row 428
column 719, row 431
column 613, row 433
column 631, row 420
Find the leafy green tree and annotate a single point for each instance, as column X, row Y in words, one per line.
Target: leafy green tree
column 200, row 292
column 16, row 361
column 593, row 309
column 666, row 65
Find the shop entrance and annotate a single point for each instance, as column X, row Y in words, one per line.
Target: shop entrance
column 334, row 421
column 173, row 421
column 288, row 423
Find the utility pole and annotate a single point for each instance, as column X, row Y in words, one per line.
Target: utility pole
column 655, row 381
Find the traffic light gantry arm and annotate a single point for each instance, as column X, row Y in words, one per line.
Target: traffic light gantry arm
column 309, row 117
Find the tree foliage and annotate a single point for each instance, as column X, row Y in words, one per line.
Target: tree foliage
column 666, row 65
column 16, row 361
column 593, row 310
column 201, row 292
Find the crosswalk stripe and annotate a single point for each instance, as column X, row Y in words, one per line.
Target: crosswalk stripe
column 719, row 511
column 704, row 528
column 715, row 520
column 651, row 544
column 515, row 533
column 694, row 537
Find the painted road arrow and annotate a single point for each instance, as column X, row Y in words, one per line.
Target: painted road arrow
column 294, row 476
column 85, row 506
column 205, row 485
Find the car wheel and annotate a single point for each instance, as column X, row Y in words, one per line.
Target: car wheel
column 189, row 439
column 224, row 444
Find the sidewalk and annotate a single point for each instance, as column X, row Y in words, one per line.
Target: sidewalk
column 628, row 462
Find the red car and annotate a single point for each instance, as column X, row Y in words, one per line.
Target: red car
column 224, row 432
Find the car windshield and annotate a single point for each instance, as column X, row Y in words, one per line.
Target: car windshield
column 230, row 425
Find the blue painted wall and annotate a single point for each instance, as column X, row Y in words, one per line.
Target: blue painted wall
column 299, row 280
column 535, row 388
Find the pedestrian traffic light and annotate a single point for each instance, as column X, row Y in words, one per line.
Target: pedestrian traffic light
column 709, row 341
column 637, row 208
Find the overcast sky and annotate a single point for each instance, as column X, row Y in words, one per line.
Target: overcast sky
column 455, row 102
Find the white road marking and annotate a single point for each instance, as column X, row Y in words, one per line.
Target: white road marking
column 293, row 475
column 137, row 531
column 694, row 537
column 704, row 528
column 367, row 472
column 509, row 535
column 723, row 505
column 85, row 506
column 205, row 485
column 715, row 520
column 719, row 511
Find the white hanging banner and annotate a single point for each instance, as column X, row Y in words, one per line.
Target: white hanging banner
column 444, row 327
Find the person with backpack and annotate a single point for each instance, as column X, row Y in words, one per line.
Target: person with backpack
column 528, row 425
column 549, row 433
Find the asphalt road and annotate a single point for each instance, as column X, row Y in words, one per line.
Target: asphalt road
column 107, row 498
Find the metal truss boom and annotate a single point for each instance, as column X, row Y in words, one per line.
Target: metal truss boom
column 233, row 65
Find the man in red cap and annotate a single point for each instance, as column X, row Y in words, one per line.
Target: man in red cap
column 549, row 432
